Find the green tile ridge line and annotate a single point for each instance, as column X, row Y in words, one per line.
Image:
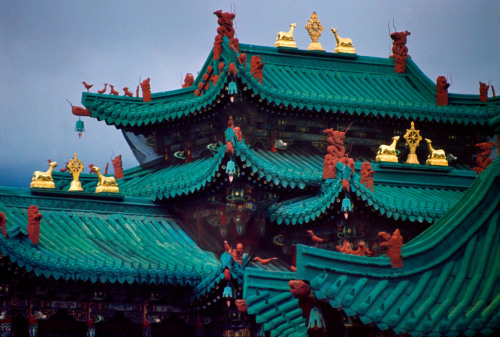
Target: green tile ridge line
column 175, row 180
column 447, row 284
column 268, row 297
column 270, row 166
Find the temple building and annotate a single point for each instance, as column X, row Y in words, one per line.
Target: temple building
column 281, row 192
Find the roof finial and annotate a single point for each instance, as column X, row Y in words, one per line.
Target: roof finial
column 314, row 28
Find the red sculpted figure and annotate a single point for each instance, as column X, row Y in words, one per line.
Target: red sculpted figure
column 346, row 247
column 146, row 90
column 393, row 245
column 34, row 218
column 3, row 224
column 483, row 92
column 442, row 86
column 243, row 59
column 399, row 51
column 117, row 165
column 483, row 159
column 78, row 111
column 188, row 80
column 335, row 153
column 241, row 305
column 367, row 175
column 299, row 288
column 256, row 67
column 225, row 21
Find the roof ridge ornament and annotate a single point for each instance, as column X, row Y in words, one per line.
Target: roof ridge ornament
column 413, row 138
column 344, row 44
column 285, row 39
column 75, row 166
column 314, row 28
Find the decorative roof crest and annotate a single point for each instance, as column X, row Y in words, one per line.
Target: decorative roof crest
column 314, row 28
column 285, row 39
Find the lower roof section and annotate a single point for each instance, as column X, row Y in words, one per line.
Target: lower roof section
column 268, row 297
column 101, row 241
column 449, row 283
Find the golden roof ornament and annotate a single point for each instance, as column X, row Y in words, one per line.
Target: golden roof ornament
column 285, row 39
column 436, row 157
column 344, row 44
column 105, row 184
column 75, row 166
column 314, row 28
column 43, row 179
column 413, row 138
column 388, row 153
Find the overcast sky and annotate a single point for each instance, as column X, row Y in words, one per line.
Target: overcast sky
column 48, row 47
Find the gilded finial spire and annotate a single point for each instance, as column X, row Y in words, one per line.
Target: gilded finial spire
column 75, row 166
column 413, row 138
column 314, row 28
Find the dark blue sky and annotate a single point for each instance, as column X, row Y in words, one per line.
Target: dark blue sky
column 48, row 47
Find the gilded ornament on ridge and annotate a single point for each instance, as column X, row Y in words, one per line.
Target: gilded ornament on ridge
column 413, row 139
column 387, row 153
column 75, row 167
column 314, row 28
column 43, row 179
column 344, row 44
column 285, row 39
column 436, row 157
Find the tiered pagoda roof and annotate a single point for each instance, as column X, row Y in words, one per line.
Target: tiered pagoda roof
column 448, row 283
column 326, row 83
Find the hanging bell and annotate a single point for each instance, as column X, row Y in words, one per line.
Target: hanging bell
column 79, row 127
column 232, row 89
column 231, row 169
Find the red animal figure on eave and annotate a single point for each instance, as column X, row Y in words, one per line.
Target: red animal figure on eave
column 367, row 175
column 188, row 80
column 393, row 244
column 102, row 91
column 336, row 152
column 117, row 165
column 87, row 86
column 442, row 86
column 127, row 92
column 346, row 248
column 241, row 305
column 316, row 239
column 146, row 90
column 362, row 250
column 399, row 51
column 299, row 288
column 34, row 218
column 483, row 92
column 243, row 59
column 225, row 21
column 264, row 262
column 112, row 90
column 483, row 159
column 3, row 224
column 78, row 111
column 256, row 67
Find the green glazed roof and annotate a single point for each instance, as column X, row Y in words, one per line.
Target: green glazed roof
column 101, row 241
column 172, row 181
column 291, row 168
column 449, row 281
column 324, row 82
column 268, row 297
column 422, row 194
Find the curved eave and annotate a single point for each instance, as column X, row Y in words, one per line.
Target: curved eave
column 370, row 88
column 449, row 281
column 164, row 107
column 175, row 180
column 106, row 242
column 288, row 169
column 268, row 297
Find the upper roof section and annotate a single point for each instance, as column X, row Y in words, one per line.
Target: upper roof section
column 320, row 81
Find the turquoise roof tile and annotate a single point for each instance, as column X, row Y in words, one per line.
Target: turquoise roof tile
column 268, row 297
column 448, row 283
column 326, row 82
column 101, row 241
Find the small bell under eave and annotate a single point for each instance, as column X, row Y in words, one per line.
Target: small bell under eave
column 232, row 90
column 231, row 170
column 79, row 127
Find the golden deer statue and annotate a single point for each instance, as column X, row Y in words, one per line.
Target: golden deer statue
column 388, row 152
column 43, row 179
column 105, row 184
column 436, row 157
